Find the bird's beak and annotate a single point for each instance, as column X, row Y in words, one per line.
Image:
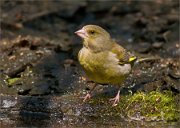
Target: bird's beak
column 82, row 33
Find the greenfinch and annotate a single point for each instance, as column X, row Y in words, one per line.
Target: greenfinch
column 103, row 60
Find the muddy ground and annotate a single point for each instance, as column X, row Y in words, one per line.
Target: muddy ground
column 41, row 80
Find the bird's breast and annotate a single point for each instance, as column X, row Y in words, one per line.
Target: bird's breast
column 103, row 67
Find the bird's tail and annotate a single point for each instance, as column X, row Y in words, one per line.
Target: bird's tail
column 140, row 60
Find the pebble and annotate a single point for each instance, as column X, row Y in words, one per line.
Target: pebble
column 157, row 44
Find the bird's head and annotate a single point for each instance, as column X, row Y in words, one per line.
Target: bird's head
column 95, row 37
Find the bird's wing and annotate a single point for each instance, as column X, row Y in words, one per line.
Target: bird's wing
column 122, row 54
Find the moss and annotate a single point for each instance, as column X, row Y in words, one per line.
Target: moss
column 148, row 106
column 11, row 81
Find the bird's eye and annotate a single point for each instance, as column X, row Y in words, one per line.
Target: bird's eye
column 91, row 32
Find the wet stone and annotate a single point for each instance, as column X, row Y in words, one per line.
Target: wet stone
column 175, row 74
column 157, row 45
column 143, row 47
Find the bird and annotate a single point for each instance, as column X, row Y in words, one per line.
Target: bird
column 103, row 60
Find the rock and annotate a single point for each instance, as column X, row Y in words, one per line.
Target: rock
column 174, row 74
column 157, row 44
column 143, row 47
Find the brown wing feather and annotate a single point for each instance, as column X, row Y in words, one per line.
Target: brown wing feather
column 122, row 54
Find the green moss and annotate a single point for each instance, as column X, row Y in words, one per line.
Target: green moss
column 151, row 106
column 11, row 81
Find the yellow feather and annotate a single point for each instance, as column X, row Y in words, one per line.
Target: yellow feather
column 132, row 58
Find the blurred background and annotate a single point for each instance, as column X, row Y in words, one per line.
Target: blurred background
column 38, row 52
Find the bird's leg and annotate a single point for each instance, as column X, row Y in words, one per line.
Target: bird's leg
column 88, row 96
column 115, row 99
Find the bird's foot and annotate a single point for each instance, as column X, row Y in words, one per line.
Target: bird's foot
column 115, row 100
column 88, row 96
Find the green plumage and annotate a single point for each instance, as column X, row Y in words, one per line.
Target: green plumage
column 103, row 60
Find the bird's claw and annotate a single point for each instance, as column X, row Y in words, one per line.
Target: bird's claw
column 88, row 96
column 115, row 100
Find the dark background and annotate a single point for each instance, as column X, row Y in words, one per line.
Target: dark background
column 38, row 49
